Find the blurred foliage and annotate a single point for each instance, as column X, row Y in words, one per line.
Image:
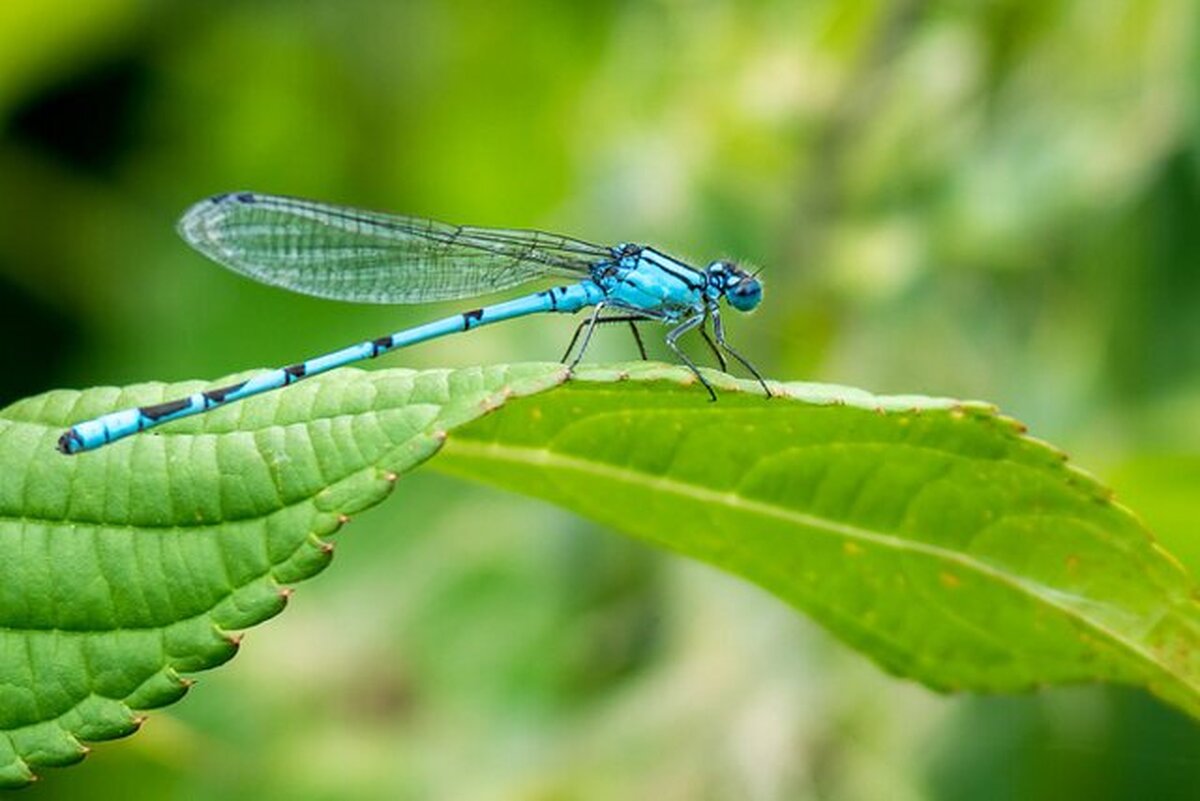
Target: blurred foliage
column 985, row 199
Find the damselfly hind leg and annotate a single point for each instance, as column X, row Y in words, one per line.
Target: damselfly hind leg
column 719, row 331
column 637, row 337
column 632, row 319
column 672, row 337
column 590, row 324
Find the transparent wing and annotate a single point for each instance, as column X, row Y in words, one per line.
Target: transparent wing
column 368, row 257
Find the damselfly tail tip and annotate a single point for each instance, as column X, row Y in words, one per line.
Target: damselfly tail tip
column 70, row 442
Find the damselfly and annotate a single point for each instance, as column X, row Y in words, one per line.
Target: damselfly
column 368, row 257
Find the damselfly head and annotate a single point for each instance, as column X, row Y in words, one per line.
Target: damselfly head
column 743, row 290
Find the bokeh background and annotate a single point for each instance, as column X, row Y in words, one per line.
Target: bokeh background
column 995, row 200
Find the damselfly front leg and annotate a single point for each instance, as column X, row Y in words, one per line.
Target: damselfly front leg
column 719, row 331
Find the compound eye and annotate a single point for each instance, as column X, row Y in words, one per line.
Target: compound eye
column 745, row 294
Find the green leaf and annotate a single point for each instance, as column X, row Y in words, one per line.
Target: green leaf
column 931, row 535
column 124, row 568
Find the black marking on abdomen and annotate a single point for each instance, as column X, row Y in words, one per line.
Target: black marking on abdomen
column 296, row 371
column 160, row 410
column 246, row 197
column 219, row 394
column 378, row 346
column 474, row 315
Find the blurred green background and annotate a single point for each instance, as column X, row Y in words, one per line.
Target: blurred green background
column 983, row 199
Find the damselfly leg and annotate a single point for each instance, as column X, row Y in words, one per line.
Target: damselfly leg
column 593, row 321
column 674, row 334
column 719, row 331
column 715, row 351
